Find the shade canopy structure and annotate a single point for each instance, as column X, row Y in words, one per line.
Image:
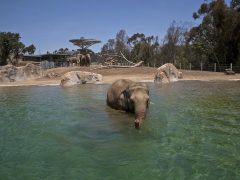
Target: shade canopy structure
column 84, row 43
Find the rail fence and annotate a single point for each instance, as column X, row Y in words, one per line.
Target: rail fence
column 210, row 67
column 205, row 67
column 53, row 64
column 47, row 65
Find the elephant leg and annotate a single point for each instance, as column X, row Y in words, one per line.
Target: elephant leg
column 84, row 60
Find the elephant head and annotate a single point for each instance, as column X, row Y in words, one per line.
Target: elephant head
column 124, row 94
column 137, row 97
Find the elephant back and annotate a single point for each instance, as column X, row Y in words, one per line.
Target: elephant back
column 115, row 91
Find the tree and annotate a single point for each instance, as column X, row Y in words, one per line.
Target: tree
column 10, row 47
column 109, row 47
column 60, row 51
column 217, row 37
column 121, row 42
column 137, row 48
column 175, row 37
column 143, row 48
column 29, row 49
column 118, row 45
column 235, row 4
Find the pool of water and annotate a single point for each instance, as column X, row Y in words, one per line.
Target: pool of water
column 192, row 131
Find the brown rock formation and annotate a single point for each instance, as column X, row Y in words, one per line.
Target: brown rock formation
column 10, row 73
column 167, row 73
column 80, row 77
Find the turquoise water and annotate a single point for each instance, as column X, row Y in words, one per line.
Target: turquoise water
column 192, row 131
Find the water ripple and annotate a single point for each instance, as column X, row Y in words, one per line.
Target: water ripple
column 192, row 131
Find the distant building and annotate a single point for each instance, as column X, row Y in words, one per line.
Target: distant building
column 34, row 58
column 57, row 59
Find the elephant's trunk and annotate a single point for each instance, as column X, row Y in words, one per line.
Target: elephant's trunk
column 140, row 113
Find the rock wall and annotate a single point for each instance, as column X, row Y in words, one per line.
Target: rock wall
column 80, row 77
column 10, row 73
column 167, row 73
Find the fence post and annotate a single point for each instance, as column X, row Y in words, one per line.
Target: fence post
column 180, row 66
column 215, row 67
column 231, row 66
column 190, row 66
column 201, row 66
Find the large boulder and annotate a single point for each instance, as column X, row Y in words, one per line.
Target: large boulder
column 167, row 73
column 80, row 77
column 229, row 71
column 10, row 73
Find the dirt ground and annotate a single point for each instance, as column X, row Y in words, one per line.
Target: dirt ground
column 110, row 75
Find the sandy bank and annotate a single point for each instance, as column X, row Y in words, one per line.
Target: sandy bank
column 144, row 74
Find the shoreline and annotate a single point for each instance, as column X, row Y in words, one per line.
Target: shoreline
column 138, row 74
column 25, row 85
column 103, row 83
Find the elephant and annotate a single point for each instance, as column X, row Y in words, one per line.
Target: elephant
column 88, row 60
column 74, row 60
column 82, row 60
column 85, row 60
column 129, row 96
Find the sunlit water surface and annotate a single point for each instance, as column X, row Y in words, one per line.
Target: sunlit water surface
column 192, row 131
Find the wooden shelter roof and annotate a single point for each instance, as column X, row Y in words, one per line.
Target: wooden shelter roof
column 84, row 43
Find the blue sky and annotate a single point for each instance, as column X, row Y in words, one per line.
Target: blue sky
column 49, row 24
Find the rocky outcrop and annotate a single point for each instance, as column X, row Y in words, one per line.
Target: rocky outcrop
column 229, row 71
column 80, row 77
column 10, row 73
column 167, row 73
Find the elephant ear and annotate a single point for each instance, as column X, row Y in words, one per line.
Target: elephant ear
column 126, row 93
column 126, row 102
column 122, row 99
